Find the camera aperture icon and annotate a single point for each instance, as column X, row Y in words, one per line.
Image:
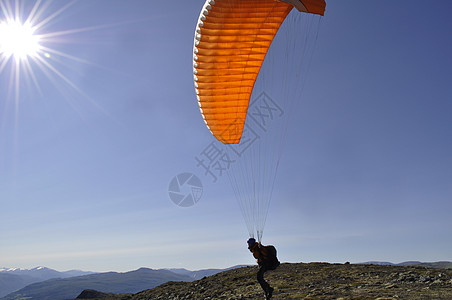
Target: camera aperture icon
column 185, row 189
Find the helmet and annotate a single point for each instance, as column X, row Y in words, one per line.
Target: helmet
column 251, row 243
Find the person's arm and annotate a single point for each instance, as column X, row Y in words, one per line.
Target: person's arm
column 260, row 250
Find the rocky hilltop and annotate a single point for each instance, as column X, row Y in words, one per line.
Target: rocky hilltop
column 309, row 281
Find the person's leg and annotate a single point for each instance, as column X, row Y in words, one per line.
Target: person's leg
column 260, row 278
column 270, row 292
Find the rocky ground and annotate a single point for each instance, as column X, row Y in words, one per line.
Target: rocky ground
column 310, row 281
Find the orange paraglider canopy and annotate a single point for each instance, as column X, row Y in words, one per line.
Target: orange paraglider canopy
column 231, row 40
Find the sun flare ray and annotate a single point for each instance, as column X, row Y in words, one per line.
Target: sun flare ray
column 33, row 12
column 54, row 15
column 6, row 9
column 28, row 71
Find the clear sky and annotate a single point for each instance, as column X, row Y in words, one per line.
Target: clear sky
column 85, row 161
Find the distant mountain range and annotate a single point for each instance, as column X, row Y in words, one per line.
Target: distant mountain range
column 438, row 264
column 43, row 273
column 13, row 279
column 64, row 286
column 195, row 275
column 111, row 282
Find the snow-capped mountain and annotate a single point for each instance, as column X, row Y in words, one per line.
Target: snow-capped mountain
column 43, row 273
column 10, row 269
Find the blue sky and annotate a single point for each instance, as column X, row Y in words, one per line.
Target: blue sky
column 366, row 173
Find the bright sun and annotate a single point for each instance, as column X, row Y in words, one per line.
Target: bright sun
column 18, row 40
column 27, row 46
column 24, row 45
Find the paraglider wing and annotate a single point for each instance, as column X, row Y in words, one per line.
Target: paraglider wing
column 231, row 40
